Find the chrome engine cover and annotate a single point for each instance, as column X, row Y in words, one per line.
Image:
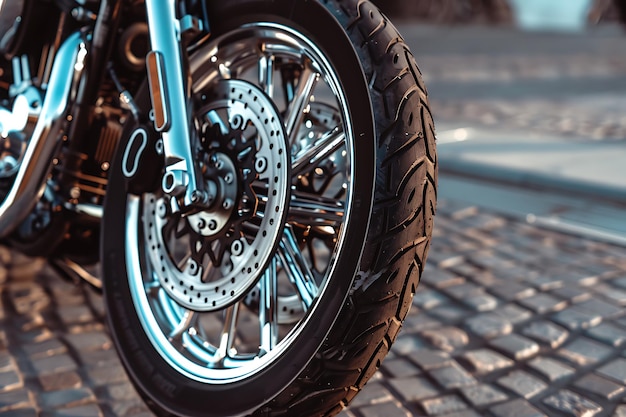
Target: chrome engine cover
column 11, row 12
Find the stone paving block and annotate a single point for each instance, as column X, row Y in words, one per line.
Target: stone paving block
column 484, row 361
column 523, row 384
column 428, row 299
column 100, row 358
column 543, row 303
column 67, row 397
column 580, row 277
column 620, row 281
column 47, row 347
column 452, row 376
column 430, row 359
column 10, row 380
column 571, row 294
column 373, row 393
column 483, row 394
column 35, row 335
column 513, row 313
column 133, row 408
column 545, row 282
column 391, row 409
column 407, row 344
column 510, row 291
column 75, row 314
column 613, row 294
column 464, row 290
column 599, row 386
column 444, row 404
column 551, row 369
column 515, row 346
column 465, row 270
column 121, row 392
column 615, row 370
column 399, row 367
column 14, row 399
column 419, row 320
column 25, row 412
column 60, row 381
column 584, row 351
column 464, row 413
column 608, row 333
column 446, row 338
column 546, row 332
column 89, row 410
column 599, row 307
column 6, row 361
column 572, row 404
column 576, row 319
column 89, row 341
column 442, row 278
column 450, row 314
column 516, row 408
column 488, row 325
column 414, row 388
column 481, row 302
column 54, row 364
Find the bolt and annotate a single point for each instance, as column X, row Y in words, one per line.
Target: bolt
column 212, row 225
column 227, row 204
column 193, row 267
column 228, row 178
column 236, row 122
column 158, row 146
column 201, row 224
column 236, row 249
column 261, row 165
column 75, row 192
column 161, row 209
column 219, row 164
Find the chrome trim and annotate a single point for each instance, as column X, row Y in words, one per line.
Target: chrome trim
column 29, row 184
column 165, row 38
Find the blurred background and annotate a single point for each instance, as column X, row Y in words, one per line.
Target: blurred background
column 528, row 96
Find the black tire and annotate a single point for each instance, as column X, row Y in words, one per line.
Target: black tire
column 342, row 338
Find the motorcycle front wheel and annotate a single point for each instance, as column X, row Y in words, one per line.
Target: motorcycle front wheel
column 283, row 295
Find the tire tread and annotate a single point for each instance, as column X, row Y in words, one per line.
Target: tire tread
column 400, row 229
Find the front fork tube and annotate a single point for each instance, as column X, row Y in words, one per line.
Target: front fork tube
column 170, row 91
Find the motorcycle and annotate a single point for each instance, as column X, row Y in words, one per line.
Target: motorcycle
column 256, row 180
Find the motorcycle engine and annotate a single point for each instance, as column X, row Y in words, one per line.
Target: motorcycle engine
column 11, row 16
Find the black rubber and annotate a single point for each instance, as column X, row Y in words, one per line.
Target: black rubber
column 358, row 318
column 400, row 229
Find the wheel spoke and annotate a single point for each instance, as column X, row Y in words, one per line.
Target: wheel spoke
column 266, row 74
column 297, row 270
column 182, row 326
column 297, row 198
column 227, row 337
column 323, row 148
column 268, row 313
column 301, row 99
column 215, row 119
column 313, row 210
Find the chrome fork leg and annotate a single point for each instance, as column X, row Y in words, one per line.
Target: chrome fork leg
column 171, row 101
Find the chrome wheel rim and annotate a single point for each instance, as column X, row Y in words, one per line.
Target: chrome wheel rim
column 237, row 338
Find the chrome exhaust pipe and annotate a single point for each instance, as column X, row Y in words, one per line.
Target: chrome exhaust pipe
column 30, row 180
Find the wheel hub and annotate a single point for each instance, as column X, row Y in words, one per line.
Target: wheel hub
column 245, row 154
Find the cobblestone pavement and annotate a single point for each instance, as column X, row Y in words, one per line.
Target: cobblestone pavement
column 509, row 320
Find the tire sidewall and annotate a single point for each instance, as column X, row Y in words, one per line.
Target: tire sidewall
column 166, row 390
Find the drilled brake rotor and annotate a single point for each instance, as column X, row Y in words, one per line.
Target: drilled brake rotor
column 245, row 154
